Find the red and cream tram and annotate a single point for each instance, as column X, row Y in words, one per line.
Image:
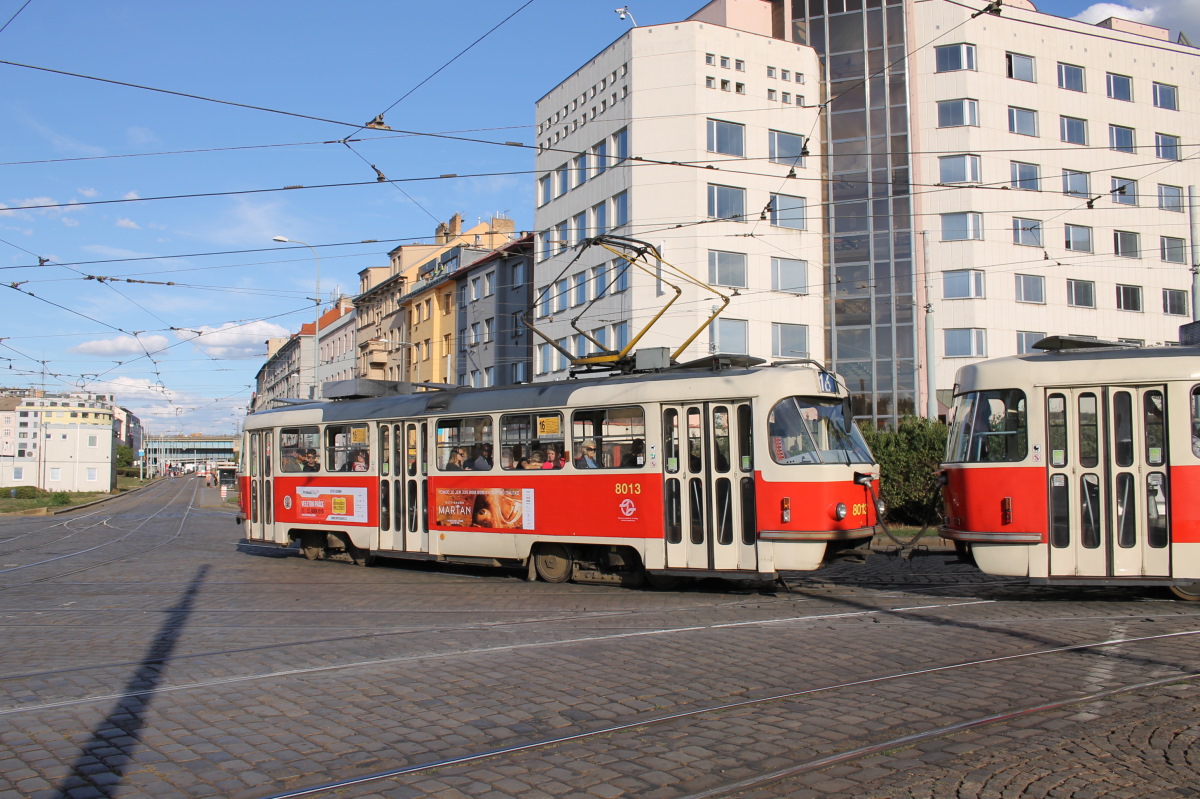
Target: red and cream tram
column 730, row 469
column 1079, row 466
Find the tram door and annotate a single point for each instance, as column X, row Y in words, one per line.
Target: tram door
column 262, row 525
column 709, row 487
column 412, row 521
column 1107, row 465
column 387, row 535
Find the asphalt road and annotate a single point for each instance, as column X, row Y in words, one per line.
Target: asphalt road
column 145, row 652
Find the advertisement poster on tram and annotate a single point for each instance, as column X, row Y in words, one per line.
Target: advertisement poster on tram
column 331, row 504
column 504, row 508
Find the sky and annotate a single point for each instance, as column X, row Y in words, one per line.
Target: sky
column 136, row 223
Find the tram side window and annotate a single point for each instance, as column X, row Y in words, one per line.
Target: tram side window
column 988, row 427
column 609, row 438
column 298, row 448
column 347, row 448
column 465, row 444
column 532, row 441
column 810, row 430
column 1196, row 421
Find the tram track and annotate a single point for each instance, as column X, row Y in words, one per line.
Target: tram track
column 797, row 769
column 128, row 533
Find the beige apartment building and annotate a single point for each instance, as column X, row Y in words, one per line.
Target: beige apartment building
column 57, row 442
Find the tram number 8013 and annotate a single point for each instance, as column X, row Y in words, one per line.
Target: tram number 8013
column 627, row 488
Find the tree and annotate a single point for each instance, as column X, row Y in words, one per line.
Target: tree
column 124, row 456
column 908, row 456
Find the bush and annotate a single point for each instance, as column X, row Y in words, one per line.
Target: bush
column 28, row 492
column 908, row 456
column 129, row 471
column 60, row 498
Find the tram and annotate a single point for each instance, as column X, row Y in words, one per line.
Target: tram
column 726, row 467
column 1079, row 466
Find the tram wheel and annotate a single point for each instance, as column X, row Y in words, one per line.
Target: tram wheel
column 553, row 563
column 1189, row 592
column 313, row 553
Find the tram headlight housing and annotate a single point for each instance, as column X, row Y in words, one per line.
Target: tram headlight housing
column 785, row 509
column 840, row 511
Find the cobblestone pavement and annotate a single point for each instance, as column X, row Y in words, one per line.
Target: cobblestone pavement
column 145, row 652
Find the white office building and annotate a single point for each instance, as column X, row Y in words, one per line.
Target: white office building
column 974, row 181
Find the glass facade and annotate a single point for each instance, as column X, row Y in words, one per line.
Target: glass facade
column 869, row 238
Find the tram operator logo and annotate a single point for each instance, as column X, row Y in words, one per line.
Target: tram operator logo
column 628, row 508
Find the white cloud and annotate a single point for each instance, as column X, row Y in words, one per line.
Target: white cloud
column 60, row 142
column 141, row 137
column 70, row 221
column 235, row 341
column 1174, row 15
column 128, row 223
column 88, row 192
column 121, row 346
column 131, row 195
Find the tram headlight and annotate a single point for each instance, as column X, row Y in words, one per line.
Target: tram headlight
column 840, row 511
column 785, row 509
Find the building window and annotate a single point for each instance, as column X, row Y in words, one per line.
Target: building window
column 726, row 85
column 580, row 292
column 1019, row 67
column 1124, row 191
column 1078, row 238
column 1170, row 198
column 770, row 72
column 1166, row 146
column 621, row 209
column 1175, row 302
column 958, row 113
column 581, row 229
column 954, row 57
column 1120, row 139
column 1022, row 121
column 1027, row 232
column 710, row 82
column 1024, row 176
column 545, row 359
column 1031, row 288
column 600, row 219
column 771, row 94
column 786, row 148
column 55, row 474
column 19, row 471
column 564, row 180
column 958, row 169
column 620, row 335
column 1129, row 298
column 739, row 88
column 1120, row 87
column 785, row 97
column 600, row 157
column 1166, row 96
column 965, row 342
column 789, row 341
column 1070, row 77
column 1026, row 339
column 545, row 190
column 730, row 336
column 1076, row 183
column 739, row 65
column 787, row 211
column 1081, row 293
column 962, row 226
column 489, row 284
column 710, row 59
column 621, row 142
column 1073, row 130
column 620, row 275
column 724, row 62
column 91, row 440
column 1172, row 250
column 600, row 280
column 519, row 372
column 962, row 284
column 1125, row 244
column 726, row 202
column 727, row 268
column 789, row 275
column 561, row 295
column 728, row 138
column 564, row 236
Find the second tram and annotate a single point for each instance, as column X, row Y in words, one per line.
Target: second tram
column 724, row 468
column 1079, row 466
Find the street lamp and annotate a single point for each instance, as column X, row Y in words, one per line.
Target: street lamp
column 316, row 386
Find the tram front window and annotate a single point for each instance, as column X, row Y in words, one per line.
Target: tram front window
column 988, row 427
column 807, row 430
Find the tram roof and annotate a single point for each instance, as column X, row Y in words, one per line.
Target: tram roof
column 706, row 383
column 1082, row 367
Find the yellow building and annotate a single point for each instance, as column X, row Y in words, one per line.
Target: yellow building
column 405, row 311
